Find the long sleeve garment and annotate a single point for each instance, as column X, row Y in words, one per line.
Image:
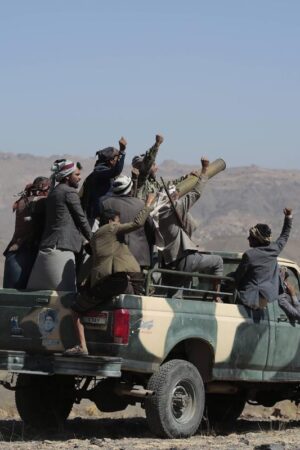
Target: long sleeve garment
column 257, row 274
column 97, row 184
column 29, row 223
column 109, row 255
column 137, row 241
column 290, row 305
column 145, row 182
column 65, row 220
column 176, row 241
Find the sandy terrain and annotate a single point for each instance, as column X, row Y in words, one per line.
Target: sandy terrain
column 87, row 429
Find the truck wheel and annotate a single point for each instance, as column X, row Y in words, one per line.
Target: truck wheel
column 44, row 401
column 176, row 408
column 223, row 408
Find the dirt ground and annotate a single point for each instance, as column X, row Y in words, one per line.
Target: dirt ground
column 258, row 428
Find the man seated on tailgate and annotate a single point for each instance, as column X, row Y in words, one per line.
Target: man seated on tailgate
column 114, row 268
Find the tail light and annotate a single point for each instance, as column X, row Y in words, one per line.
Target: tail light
column 121, row 326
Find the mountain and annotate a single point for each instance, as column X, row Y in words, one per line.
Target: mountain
column 232, row 201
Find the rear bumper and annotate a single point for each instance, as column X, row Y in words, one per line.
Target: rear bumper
column 22, row 362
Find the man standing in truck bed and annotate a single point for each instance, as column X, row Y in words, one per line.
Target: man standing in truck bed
column 98, row 183
column 140, row 240
column 174, row 230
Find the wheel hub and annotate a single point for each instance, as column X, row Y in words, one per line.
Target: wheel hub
column 182, row 404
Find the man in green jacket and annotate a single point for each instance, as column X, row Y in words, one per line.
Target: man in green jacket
column 144, row 170
column 114, row 268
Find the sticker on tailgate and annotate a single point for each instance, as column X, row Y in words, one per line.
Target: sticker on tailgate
column 48, row 321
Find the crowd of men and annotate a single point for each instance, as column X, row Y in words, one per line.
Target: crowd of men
column 119, row 220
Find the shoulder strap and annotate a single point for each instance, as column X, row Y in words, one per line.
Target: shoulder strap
column 179, row 219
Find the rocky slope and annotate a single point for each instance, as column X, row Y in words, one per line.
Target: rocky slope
column 232, row 201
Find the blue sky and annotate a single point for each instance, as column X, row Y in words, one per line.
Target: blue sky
column 219, row 77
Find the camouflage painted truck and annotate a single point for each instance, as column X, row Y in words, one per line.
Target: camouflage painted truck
column 182, row 356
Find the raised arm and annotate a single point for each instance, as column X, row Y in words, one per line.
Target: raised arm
column 286, row 229
column 188, row 200
column 149, row 159
column 105, row 171
column 120, row 164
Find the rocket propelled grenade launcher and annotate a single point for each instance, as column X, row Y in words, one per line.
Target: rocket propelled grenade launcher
column 213, row 169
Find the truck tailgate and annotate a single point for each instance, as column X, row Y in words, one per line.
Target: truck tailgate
column 36, row 321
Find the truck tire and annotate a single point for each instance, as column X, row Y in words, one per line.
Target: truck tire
column 44, row 401
column 176, row 407
column 224, row 408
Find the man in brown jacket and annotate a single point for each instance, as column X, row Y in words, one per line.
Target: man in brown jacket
column 114, row 268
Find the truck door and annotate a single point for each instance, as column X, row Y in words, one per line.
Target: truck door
column 284, row 355
column 242, row 342
column 242, row 337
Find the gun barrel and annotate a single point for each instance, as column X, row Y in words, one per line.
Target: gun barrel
column 213, row 169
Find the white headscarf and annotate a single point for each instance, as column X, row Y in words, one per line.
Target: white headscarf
column 122, row 185
column 161, row 201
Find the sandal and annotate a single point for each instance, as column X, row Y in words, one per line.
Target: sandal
column 75, row 351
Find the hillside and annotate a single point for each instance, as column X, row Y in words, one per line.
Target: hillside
column 232, row 201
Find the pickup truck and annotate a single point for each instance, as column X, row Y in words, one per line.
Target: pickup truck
column 182, row 356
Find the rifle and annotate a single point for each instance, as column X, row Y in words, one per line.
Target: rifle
column 179, row 219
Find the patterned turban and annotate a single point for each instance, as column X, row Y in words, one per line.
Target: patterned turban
column 61, row 168
column 261, row 233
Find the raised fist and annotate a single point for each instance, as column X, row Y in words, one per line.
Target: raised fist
column 159, row 139
column 287, row 211
column 204, row 163
column 122, row 144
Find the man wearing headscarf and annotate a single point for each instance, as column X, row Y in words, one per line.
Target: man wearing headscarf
column 257, row 275
column 22, row 250
column 174, row 234
column 144, row 169
column 140, row 241
column 62, row 238
column 98, row 183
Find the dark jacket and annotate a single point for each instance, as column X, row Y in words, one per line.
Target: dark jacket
column 128, row 208
column 291, row 306
column 29, row 224
column 257, row 274
column 97, row 184
column 65, row 220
